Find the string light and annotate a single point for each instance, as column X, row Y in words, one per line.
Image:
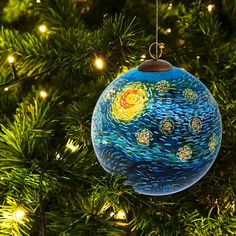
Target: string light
column 162, row 46
column 198, row 57
column 19, row 214
column 43, row 94
column 168, row 30
column 71, row 145
column 43, row 28
column 11, row 59
column 170, row 6
column 38, row 1
column 120, row 215
column 143, row 57
column 6, row 89
column 99, row 63
column 210, row 7
column 181, row 42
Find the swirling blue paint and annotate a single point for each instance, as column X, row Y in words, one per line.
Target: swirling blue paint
column 171, row 144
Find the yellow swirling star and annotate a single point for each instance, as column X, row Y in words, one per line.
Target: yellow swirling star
column 129, row 102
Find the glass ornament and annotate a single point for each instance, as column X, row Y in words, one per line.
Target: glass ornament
column 159, row 126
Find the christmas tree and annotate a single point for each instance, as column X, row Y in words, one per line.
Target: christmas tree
column 57, row 56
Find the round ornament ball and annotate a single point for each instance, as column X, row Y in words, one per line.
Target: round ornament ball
column 159, row 126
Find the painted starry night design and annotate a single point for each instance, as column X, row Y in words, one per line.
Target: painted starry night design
column 144, row 136
column 161, row 129
column 166, row 126
column 162, row 86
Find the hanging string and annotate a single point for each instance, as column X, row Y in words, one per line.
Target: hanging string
column 157, row 45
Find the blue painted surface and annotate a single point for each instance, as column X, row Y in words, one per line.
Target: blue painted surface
column 170, row 143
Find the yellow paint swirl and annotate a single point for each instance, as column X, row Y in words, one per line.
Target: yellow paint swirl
column 129, row 102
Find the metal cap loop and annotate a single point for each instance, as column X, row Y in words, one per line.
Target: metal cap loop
column 158, row 45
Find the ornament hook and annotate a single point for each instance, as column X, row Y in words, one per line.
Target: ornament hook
column 158, row 45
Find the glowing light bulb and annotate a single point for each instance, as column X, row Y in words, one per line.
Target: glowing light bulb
column 162, row 46
column 210, row 7
column 168, row 30
column 71, row 145
column 170, row 6
column 11, row 59
column 38, row 1
column 198, row 57
column 43, row 94
column 6, row 89
column 99, row 63
column 43, row 28
column 143, row 57
column 181, row 42
column 121, row 215
column 19, row 214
